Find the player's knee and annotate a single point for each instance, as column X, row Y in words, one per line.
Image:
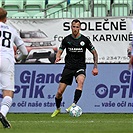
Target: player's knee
column 80, row 79
column 80, row 82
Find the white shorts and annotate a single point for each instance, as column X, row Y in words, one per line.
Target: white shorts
column 6, row 74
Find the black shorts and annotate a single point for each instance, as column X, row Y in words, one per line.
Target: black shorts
column 68, row 74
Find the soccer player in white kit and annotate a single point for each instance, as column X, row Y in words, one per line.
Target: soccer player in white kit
column 8, row 37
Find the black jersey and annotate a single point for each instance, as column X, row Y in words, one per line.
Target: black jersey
column 76, row 51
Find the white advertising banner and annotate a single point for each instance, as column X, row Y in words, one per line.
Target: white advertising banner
column 109, row 92
column 110, row 36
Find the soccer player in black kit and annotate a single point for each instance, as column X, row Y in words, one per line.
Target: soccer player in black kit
column 75, row 66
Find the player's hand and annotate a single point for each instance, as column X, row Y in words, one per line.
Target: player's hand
column 57, row 59
column 95, row 71
column 131, row 63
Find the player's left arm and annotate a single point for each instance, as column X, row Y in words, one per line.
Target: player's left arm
column 23, row 53
column 92, row 49
column 95, row 59
column 21, row 46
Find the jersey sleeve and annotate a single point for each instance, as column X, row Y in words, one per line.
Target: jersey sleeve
column 63, row 45
column 89, row 45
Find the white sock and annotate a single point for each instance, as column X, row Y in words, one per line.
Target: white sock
column 5, row 105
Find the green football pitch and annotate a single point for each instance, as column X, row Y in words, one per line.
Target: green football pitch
column 63, row 123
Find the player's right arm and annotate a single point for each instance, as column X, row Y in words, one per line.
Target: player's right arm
column 60, row 51
column 58, row 55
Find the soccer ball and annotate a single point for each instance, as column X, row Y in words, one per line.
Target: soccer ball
column 75, row 111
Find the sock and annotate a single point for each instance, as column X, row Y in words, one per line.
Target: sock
column 5, row 105
column 77, row 95
column 58, row 102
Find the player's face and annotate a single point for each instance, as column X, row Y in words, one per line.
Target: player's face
column 75, row 29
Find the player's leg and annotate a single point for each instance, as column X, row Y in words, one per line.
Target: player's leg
column 6, row 101
column 58, row 98
column 80, row 81
column 80, row 77
column 66, row 79
column 7, row 87
column 5, row 106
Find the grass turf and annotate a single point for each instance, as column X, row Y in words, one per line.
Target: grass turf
column 63, row 123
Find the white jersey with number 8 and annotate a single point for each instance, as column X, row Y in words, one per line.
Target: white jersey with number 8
column 8, row 37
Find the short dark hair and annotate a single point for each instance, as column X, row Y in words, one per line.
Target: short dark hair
column 3, row 13
column 76, row 21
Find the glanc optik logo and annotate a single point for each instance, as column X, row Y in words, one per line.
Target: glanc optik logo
column 33, row 83
column 125, row 89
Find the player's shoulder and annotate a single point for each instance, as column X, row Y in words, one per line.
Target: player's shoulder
column 85, row 37
column 67, row 37
column 8, row 27
column 12, row 29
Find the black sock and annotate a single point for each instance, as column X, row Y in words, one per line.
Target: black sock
column 58, row 102
column 77, row 95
